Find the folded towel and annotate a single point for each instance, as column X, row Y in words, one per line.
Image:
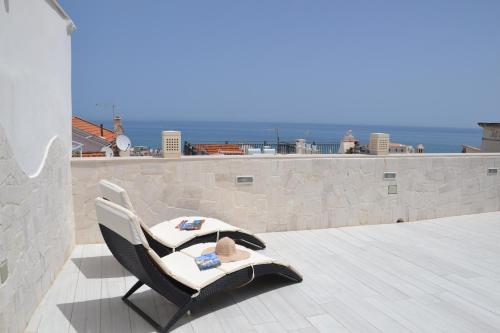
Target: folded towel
column 190, row 225
column 207, row 261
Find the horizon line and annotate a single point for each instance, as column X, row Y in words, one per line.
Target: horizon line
column 124, row 119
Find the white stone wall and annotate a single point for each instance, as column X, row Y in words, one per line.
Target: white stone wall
column 36, row 230
column 36, row 221
column 294, row 192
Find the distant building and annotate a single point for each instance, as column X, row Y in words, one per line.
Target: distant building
column 490, row 142
column 117, row 125
column 90, row 137
column 399, row 148
column 469, row 149
column 348, row 144
column 300, row 146
column 420, row 148
column 379, row 144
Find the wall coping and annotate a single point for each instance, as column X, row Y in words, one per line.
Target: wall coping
column 148, row 159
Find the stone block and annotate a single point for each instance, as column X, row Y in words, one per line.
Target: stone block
column 150, row 169
column 186, row 203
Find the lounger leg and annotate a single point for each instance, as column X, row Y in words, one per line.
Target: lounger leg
column 182, row 310
column 143, row 314
column 133, row 289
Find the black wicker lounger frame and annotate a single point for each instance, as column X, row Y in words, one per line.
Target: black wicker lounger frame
column 241, row 238
column 136, row 260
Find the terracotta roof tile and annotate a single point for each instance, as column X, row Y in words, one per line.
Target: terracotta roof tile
column 94, row 154
column 92, row 128
column 394, row 144
column 226, row 149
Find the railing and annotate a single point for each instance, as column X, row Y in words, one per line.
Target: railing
column 279, row 148
column 327, row 148
column 76, row 148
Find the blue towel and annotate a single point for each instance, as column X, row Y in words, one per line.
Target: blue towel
column 207, row 261
column 190, row 225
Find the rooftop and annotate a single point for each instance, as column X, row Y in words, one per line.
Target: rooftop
column 395, row 144
column 92, row 128
column 435, row 275
column 489, row 124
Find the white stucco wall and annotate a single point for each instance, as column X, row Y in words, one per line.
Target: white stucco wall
column 35, row 78
column 291, row 192
column 36, row 217
column 36, row 230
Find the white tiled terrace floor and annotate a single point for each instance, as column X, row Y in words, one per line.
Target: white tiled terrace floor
column 427, row 276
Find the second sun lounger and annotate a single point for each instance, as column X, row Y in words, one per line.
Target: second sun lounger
column 164, row 238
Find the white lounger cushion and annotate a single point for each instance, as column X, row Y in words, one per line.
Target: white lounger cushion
column 116, row 194
column 120, row 220
column 255, row 258
column 182, row 267
column 167, row 233
column 230, row 267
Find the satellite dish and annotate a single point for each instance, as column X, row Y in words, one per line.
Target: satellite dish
column 123, row 142
column 108, row 152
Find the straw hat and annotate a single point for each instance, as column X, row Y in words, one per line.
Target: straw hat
column 226, row 250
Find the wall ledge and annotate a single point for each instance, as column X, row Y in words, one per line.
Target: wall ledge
column 148, row 159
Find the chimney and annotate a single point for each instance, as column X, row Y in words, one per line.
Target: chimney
column 102, row 130
column 117, row 125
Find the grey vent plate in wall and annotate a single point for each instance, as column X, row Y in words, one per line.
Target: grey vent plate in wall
column 389, row 175
column 4, row 271
column 392, row 189
column 492, row 171
column 244, row 179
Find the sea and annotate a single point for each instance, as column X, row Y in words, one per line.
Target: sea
column 434, row 139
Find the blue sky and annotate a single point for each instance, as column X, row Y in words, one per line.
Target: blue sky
column 409, row 63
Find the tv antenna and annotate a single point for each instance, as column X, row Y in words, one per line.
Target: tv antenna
column 277, row 131
column 106, row 106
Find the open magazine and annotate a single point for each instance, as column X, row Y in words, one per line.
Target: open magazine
column 190, row 224
column 207, row 261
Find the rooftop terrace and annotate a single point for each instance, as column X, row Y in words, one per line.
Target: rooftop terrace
column 426, row 276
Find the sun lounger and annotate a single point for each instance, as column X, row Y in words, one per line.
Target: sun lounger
column 165, row 238
column 176, row 276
